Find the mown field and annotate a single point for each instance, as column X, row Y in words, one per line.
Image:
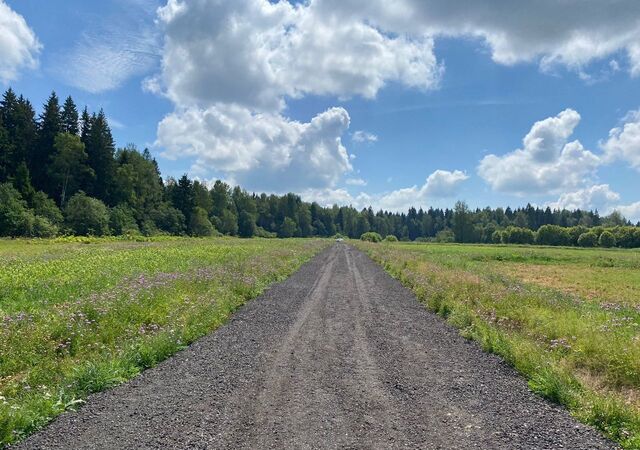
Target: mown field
column 81, row 315
column 566, row 318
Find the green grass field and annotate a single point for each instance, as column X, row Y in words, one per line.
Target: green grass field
column 566, row 318
column 81, row 315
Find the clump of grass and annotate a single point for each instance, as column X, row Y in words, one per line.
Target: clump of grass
column 549, row 335
column 77, row 319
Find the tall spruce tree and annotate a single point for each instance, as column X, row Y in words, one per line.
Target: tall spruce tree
column 19, row 122
column 5, row 151
column 100, row 149
column 70, row 118
column 85, row 125
column 48, row 128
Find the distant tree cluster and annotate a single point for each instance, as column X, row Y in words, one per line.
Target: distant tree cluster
column 60, row 173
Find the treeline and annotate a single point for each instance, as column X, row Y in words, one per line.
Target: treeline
column 60, row 173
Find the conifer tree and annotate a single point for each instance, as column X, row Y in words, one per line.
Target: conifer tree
column 48, row 128
column 5, row 152
column 18, row 119
column 100, row 149
column 85, row 125
column 70, row 117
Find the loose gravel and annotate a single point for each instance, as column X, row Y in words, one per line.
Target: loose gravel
column 340, row 355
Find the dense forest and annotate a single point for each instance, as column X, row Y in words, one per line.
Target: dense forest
column 60, row 173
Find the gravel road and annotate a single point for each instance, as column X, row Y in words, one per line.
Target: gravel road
column 340, row 355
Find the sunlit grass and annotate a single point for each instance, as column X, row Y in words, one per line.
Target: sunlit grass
column 568, row 319
column 79, row 317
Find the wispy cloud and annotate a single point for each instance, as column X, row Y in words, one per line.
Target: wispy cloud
column 361, row 136
column 113, row 49
column 355, row 182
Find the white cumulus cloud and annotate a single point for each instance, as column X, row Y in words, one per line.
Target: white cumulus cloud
column 630, row 212
column 441, row 184
column 261, row 151
column 256, row 53
column 624, row 141
column 599, row 197
column 547, row 163
column 552, row 33
column 19, row 46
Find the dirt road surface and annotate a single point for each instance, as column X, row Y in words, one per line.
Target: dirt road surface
column 340, row 355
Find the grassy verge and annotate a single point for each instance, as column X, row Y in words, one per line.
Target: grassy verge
column 77, row 317
column 567, row 319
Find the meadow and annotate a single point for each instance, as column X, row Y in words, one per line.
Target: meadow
column 79, row 315
column 568, row 319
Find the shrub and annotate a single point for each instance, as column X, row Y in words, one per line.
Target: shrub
column 45, row 207
column 575, row 233
column 607, row 239
column 371, row 236
column 288, row 228
column 87, row 216
column 43, row 228
column 200, row 225
column 552, row 235
column 627, row 237
column 229, row 223
column 445, row 236
column 588, row 239
column 517, row 235
column 122, row 221
column 391, row 238
column 261, row 232
column 14, row 220
column 496, row 237
column 169, row 219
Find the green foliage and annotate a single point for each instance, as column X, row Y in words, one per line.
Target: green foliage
column 288, row 228
column 169, row 219
column 123, row 221
column 262, row 233
column 60, row 158
column 86, row 216
column 100, row 149
column 391, row 238
column 371, row 236
column 589, row 239
column 14, row 220
column 607, row 239
column 517, row 235
column 462, row 224
column 627, row 237
column 69, row 168
column 200, row 225
column 47, row 208
column 552, row 235
column 445, row 236
column 43, row 228
column 229, row 223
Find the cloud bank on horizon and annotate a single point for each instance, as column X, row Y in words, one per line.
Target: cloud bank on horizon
column 231, row 70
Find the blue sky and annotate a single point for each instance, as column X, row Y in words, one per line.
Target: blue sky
column 355, row 102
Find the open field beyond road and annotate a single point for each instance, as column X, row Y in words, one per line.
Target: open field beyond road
column 340, row 355
column 77, row 318
column 568, row 319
